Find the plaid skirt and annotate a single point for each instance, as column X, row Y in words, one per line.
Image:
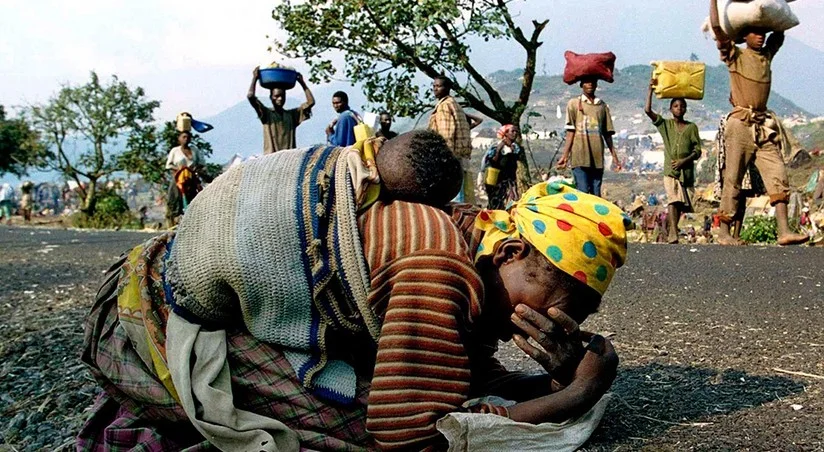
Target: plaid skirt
column 138, row 409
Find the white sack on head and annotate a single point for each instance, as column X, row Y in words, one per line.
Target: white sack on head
column 735, row 16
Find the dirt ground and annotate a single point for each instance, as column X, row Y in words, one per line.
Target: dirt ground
column 706, row 336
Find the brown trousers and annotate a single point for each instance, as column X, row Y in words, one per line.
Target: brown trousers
column 743, row 146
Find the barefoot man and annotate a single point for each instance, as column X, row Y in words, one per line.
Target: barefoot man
column 751, row 131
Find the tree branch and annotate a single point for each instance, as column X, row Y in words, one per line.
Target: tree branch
column 531, row 61
column 494, row 97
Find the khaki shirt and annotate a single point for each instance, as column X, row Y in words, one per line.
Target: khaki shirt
column 591, row 121
column 750, row 73
column 279, row 129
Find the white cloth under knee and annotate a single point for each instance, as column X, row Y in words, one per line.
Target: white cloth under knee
column 198, row 364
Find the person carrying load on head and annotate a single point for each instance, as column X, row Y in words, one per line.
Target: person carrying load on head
column 588, row 122
column 280, row 124
column 184, row 164
column 751, row 132
column 682, row 147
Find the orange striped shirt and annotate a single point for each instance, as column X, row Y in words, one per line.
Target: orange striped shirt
column 427, row 292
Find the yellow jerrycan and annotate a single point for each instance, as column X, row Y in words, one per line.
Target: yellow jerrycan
column 492, row 175
column 362, row 133
column 679, row 79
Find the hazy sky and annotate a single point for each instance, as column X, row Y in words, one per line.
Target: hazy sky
column 198, row 55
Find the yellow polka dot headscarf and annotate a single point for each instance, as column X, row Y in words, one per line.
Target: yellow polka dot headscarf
column 581, row 234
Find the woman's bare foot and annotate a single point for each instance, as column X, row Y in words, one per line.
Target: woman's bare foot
column 793, row 239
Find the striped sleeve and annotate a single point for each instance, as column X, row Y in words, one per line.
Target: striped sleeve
column 422, row 369
column 427, row 292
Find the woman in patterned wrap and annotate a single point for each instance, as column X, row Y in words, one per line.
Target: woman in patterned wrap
column 201, row 338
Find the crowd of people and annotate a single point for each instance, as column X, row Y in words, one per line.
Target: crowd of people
column 30, row 199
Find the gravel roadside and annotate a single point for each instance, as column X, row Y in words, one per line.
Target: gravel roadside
column 700, row 331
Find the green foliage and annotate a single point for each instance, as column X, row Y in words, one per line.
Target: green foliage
column 20, row 146
column 810, row 135
column 111, row 212
column 706, row 172
column 388, row 44
column 96, row 116
column 147, row 151
column 760, row 229
column 212, row 170
column 110, row 203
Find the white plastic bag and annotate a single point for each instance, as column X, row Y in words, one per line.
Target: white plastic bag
column 735, row 16
column 474, row 432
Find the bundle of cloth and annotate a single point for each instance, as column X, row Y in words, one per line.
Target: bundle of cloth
column 591, row 65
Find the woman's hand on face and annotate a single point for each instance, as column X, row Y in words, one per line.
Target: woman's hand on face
column 560, row 347
column 599, row 366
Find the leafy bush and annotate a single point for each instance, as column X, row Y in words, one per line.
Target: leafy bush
column 111, row 212
column 760, row 229
column 110, row 204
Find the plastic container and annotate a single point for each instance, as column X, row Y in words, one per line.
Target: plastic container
column 363, row 132
column 183, row 122
column 492, row 175
column 598, row 65
column 679, row 79
column 275, row 77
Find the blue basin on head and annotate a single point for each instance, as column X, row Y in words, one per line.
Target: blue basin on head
column 271, row 78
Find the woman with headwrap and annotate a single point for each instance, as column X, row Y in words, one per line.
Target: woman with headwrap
column 503, row 158
column 308, row 324
column 183, row 163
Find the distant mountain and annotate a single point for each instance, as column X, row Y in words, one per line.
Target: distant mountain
column 798, row 73
column 626, row 98
column 238, row 131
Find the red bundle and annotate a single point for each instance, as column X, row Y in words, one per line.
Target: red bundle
column 597, row 65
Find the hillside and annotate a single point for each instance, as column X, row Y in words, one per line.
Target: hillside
column 811, row 135
column 626, row 98
column 237, row 129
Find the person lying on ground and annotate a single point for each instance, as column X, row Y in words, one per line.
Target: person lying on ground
column 278, row 317
column 682, row 148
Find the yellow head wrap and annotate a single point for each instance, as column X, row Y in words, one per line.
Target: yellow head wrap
column 581, row 234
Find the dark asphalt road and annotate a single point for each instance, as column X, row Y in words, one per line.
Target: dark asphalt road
column 700, row 331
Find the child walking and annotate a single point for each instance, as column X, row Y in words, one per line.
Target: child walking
column 682, row 147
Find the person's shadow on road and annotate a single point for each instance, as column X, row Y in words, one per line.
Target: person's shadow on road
column 654, row 398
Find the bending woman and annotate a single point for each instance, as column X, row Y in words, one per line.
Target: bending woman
column 311, row 325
